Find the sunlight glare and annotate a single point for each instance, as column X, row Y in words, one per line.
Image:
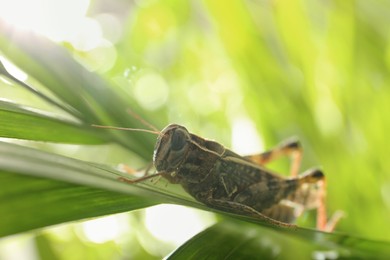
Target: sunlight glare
column 13, row 70
column 59, row 20
column 103, row 229
column 175, row 224
column 19, row 247
column 245, row 139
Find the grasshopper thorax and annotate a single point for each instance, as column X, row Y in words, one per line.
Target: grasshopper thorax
column 171, row 148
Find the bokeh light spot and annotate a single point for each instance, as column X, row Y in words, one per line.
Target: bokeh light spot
column 102, row 229
column 151, row 90
column 245, row 139
column 175, row 224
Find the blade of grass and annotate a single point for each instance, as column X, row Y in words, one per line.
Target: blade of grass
column 5, row 73
column 23, row 123
column 234, row 240
column 52, row 202
column 69, row 189
column 60, row 189
column 95, row 100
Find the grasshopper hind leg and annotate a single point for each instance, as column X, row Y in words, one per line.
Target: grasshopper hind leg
column 285, row 211
column 290, row 147
column 241, row 209
column 312, row 195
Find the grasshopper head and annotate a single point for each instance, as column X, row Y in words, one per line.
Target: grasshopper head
column 171, row 148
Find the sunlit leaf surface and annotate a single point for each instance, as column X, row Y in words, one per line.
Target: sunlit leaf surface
column 227, row 240
column 20, row 123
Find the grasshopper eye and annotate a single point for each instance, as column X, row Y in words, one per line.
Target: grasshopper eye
column 178, row 140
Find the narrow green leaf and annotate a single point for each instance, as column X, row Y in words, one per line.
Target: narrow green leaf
column 226, row 241
column 235, row 240
column 21, row 123
column 60, row 189
column 5, row 73
column 52, row 202
column 93, row 97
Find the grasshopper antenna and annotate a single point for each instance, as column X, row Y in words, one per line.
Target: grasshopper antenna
column 153, row 130
column 127, row 129
column 144, row 122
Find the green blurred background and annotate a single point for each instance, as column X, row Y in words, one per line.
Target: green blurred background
column 317, row 70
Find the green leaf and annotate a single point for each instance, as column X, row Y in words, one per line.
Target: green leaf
column 57, row 189
column 23, row 123
column 92, row 97
column 235, row 240
column 60, row 189
column 53, row 202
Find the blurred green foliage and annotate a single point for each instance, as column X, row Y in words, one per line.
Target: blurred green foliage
column 313, row 69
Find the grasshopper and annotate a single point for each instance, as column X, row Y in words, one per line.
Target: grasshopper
column 226, row 181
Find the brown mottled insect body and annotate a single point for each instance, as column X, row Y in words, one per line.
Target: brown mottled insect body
column 224, row 180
